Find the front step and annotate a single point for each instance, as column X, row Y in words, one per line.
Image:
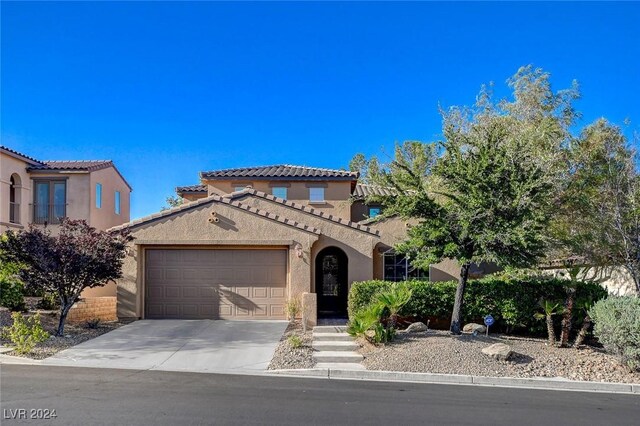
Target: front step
column 339, row 366
column 337, row 356
column 335, row 346
column 329, row 329
column 332, row 337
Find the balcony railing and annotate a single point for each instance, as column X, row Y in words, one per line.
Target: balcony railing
column 14, row 212
column 50, row 214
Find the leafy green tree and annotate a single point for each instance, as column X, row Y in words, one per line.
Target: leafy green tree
column 596, row 222
column 483, row 193
column 172, row 201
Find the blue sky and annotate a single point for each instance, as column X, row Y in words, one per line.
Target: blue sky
column 169, row 89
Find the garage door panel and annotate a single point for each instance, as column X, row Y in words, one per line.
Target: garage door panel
column 216, row 283
column 276, row 293
column 190, row 292
column 277, row 311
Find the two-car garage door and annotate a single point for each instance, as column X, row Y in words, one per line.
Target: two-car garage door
column 215, row 283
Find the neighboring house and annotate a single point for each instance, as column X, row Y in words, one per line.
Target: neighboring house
column 248, row 240
column 43, row 193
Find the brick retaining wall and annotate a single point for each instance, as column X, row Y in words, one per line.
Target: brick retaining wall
column 102, row 308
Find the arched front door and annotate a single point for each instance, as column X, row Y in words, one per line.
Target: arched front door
column 331, row 282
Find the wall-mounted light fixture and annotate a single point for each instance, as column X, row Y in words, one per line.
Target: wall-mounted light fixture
column 298, row 249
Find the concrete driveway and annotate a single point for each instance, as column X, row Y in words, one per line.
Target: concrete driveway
column 180, row 345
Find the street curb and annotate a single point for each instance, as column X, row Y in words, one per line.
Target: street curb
column 393, row 376
column 459, row 379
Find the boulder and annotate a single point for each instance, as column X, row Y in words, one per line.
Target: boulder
column 472, row 326
column 499, row 351
column 417, row 327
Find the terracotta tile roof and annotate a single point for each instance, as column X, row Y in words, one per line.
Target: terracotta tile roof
column 304, row 208
column 75, row 165
column 281, row 172
column 362, row 191
column 192, row 189
column 225, row 200
column 15, row 153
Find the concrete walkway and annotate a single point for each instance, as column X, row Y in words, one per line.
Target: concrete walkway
column 179, row 345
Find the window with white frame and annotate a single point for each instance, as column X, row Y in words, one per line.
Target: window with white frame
column 398, row 268
column 316, row 195
column 279, row 191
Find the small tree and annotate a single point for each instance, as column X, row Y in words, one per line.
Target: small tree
column 549, row 309
column 172, row 201
column 596, row 220
column 79, row 257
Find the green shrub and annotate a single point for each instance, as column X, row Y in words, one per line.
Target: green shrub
column 11, row 288
column 293, row 308
column 25, row 333
column 617, row 327
column 295, row 341
column 511, row 301
column 48, row 302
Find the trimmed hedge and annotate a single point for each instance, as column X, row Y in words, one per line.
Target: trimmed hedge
column 512, row 302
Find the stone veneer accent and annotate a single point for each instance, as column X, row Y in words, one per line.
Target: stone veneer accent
column 88, row 308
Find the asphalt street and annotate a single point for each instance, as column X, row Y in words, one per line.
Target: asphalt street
column 85, row 396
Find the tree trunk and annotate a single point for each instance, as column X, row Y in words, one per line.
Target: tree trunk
column 567, row 315
column 550, row 331
column 64, row 310
column 456, row 327
column 583, row 331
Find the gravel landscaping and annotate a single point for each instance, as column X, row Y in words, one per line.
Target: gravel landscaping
column 288, row 357
column 74, row 334
column 437, row 351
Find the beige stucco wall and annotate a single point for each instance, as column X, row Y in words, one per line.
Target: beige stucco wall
column 357, row 245
column 9, row 166
column 108, row 290
column 449, row 270
column 616, row 280
column 106, row 217
column 194, row 196
column 336, row 193
column 191, row 228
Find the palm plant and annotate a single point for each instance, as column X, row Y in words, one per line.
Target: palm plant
column 365, row 319
column 394, row 299
column 549, row 309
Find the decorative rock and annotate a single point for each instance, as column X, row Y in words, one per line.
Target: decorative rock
column 472, row 326
column 417, row 327
column 499, row 351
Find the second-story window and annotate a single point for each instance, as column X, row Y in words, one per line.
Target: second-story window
column 279, row 191
column 316, row 195
column 117, row 202
column 374, row 211
column 50, row 201
column 98, row 195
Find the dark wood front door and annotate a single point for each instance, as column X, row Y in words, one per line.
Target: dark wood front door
column 331, row 282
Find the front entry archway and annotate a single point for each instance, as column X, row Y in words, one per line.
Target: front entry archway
column 332, row 287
